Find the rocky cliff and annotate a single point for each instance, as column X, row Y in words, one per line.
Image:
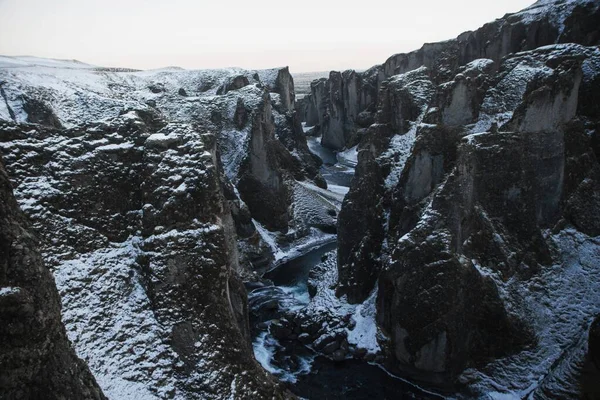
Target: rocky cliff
column 36, row 358
column 472, row 212
column 343, row 106
column 148, row 192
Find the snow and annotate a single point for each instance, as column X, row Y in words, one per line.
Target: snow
column 313, row 204
column 306, row 128
column 181, row 188
column 559, row 304
column 348, row 157
column 365, row 332
column 115, row 147
column 591, row 67
column 31, row 190
column 417, row 84
column 105, row 304
column 270, row 239
column 9, row 290
column 4, row 111
column 78, row 92
column 398, row 151
column 28, row 61
column 264, row 351
column 269, row 76
column 111, row 315
column 235, row 148
column 161, row 139
column 337, row 189
column 314, row 145
column 501, row 100
column 480, row 64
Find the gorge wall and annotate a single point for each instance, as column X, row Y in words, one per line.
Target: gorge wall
column 343, row 106
column 476, row 191
column 148, row 193
column 36, row 358
column 467, row 245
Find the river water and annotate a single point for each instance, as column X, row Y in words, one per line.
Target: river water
column 306, row 373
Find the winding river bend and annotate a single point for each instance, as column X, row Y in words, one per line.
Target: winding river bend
column 308, row 374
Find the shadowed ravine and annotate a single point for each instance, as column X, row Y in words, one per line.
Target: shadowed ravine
column 430, row 225
column 284, row 289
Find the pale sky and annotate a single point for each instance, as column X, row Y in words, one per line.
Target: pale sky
column 307, row 35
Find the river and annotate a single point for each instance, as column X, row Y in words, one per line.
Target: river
column 308, row 374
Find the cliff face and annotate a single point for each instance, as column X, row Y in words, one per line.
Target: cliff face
column 149, row 200
column 468, row 204
column 145, row 253
column 339, row 106
column 504, row 188
column 36, row 358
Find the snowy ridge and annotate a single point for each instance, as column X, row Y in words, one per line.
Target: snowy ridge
column 79, row 92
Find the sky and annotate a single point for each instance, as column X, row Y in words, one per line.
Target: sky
column 306, row 35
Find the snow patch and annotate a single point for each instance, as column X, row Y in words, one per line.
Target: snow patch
column 9, row 290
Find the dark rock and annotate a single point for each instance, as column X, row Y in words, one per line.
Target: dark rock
column 325, row 340
column 233, row 83
column 262, row 183
column 262, row 326
column 330, row 347
column 460, row 206
column 316, row 108
column 304, row 338
column 37, row 358
column 320, row 181
column 284, row 86
column 581, row 26
column 336, row 104
column 38, row 112
column 338, row 355
column 157, row 88
column 594, row 342
column 155, row 186
column 360, row 229
column 182, row 92
column 240, row 117
column 360, row 225
column 360, row 352
column 369, row 357
column 280, row 330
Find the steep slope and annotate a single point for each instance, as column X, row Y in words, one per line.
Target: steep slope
column 472, row 214
column 343, row 106
column 36, row 358
column 143, row 189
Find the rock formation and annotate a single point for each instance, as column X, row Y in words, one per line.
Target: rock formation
column 475, row 181
column 594, row 342
column 467, row 244
column 36, row 358
column 336, row 105
column 150, row 206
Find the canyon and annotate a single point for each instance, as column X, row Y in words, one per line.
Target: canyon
column 427, row 228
